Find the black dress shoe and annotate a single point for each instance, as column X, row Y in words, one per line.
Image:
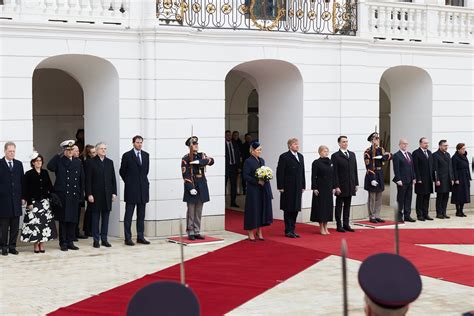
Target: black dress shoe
column 198, row 236
column 428, row 218
column 234, row 205
column 4, row 252
column 409, row 219
column 72, row 247
column 64, row 248
column 421, row 218
column 143, row 241
column 290, row 235
column 373, row 220
column 463, row 215
column 13, row 251
column 82, row 236
column 446, row 216
column 440, row 216
column 340, row 229
column 348, row 229
column 96, row 244
column 129, row 243
column 379, row 220
column 75, row 239
column 105, row 243
column 296, row 235
column 192, row 237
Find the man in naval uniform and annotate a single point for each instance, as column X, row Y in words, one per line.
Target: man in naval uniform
column 69, row 186
column 196, row 192
column 374, row 158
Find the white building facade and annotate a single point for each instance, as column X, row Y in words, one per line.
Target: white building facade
column 313, row 70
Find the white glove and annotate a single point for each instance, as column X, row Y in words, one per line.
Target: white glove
column 193, row 192
column 195, row 162
column 374, row 183
column 378, row 157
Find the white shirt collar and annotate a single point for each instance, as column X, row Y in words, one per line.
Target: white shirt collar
column 344, row 151
column 136, row 151
column 8, row 161
column 294, row 153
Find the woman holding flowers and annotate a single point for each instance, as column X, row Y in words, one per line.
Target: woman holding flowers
column 258, row 201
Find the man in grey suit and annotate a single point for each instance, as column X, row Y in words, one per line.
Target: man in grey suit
column 444, row 178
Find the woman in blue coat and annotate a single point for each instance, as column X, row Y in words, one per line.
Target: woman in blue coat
column 258, row 201
column 462, row 180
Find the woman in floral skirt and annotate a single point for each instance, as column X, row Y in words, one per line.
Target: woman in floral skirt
column 39, row 226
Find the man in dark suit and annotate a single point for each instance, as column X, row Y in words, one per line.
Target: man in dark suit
column 404, row 177
column 69, row 186
column 101, row 191
column 346, row 183
column 291, row 183
column 232, row 165
column 245, row 154
column 423, row 163
column 134, row 173
column 11, row 181
column 444, row 178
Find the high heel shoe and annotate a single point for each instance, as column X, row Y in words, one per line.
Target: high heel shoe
column 261, row 238
column 42, row 251
column 253, row 240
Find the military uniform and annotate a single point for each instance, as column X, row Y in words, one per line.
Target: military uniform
column 69, row 187
column 196, row 192
column 374, row 158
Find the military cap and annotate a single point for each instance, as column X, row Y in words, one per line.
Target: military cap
column 389, row 280
column 192, row 140
column 372, row 136
column 67, row 144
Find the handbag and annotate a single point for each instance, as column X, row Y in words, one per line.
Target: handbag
column 55, row 202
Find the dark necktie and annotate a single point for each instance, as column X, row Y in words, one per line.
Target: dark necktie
column 139, row 158
column 426, row 153
column 10, row 164
column 347, row 154
column 231, row 152
column 407, row 157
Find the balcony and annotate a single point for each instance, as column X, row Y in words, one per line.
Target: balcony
column 400, row 21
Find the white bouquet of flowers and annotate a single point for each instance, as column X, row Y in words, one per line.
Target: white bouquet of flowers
column 264, row 173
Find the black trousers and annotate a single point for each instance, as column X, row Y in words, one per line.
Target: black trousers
column 231, row 175
column 104, row 224
column 441, row 203
column 9, row 225
column 127, row 221
column 343, row 205
column 290, row 221
column 404, row 197
column 87, row 221
column 67, row 233
column 422, row 205
column 77, row 229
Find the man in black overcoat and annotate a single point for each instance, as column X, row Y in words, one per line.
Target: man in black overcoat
column 404, row 178
column 69, row 186
column 444, row 178
column 232, row 165
column 101, row 191
column 11, row 181
column 291, row 183
column 346, row 183
column 423, row 163
column 134, row 173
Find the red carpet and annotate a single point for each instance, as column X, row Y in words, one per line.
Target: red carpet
column 448, row 266
column 222, row 280
column 187, row 242
column 229, row 277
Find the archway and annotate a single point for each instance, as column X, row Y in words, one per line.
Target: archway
column 272, row 91
column 77, row 91
column 406, row 106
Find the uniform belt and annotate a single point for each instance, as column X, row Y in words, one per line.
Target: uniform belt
column 198, row 176
column 378, row 168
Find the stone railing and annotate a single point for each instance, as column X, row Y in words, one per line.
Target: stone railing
column 113, row 12
column 402, row 21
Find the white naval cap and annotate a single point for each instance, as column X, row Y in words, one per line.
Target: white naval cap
column 67, row 144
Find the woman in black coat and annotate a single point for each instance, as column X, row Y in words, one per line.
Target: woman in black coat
column 322, row 184
column 258, row 201
column 462, row 177
column 39, row 225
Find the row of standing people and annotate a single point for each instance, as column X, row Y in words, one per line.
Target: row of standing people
column 92, row 178
column 338, row 176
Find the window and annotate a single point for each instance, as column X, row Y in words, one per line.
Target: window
column 266, row 9
column 457, row 3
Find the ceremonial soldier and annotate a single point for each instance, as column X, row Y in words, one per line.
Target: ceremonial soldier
column 69, row 186
column 375, row 158
column 390, row 283
column 196, row 192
